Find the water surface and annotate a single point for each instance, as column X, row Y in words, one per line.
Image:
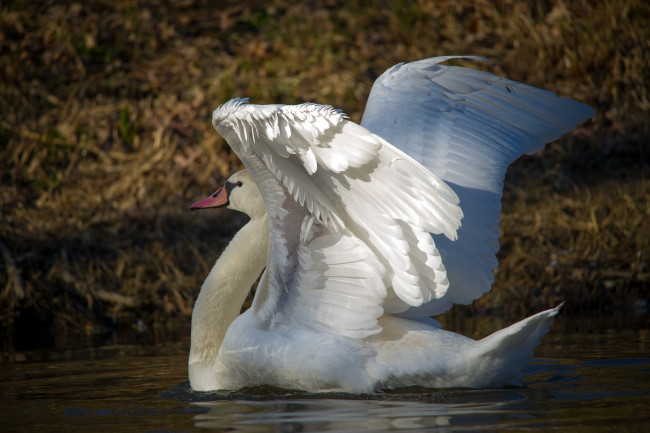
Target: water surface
column 591, row 383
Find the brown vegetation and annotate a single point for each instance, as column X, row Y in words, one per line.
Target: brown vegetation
column 105, row 138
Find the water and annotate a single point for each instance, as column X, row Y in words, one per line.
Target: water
column 579, row 383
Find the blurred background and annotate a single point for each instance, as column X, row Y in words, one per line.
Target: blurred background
column 105, row 140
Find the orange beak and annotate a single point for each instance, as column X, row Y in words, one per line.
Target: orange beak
column 218, row 199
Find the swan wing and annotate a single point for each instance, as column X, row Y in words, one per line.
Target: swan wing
column 337, row 286
column 332, row 186
column 466, row 126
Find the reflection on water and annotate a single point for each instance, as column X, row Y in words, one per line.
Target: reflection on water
column 560, row 394
column 578, row 383
column 328, row 415
column 341, row 415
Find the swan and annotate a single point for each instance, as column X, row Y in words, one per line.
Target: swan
column 356, row 233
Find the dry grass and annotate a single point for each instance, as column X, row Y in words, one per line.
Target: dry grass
column 105, row 139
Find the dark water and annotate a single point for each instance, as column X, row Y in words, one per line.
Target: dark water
column 578, row 383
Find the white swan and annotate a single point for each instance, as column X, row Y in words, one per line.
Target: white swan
column 361, row 243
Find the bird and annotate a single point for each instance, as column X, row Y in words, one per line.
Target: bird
column 360, row 234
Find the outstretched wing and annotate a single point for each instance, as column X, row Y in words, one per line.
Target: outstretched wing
column 332, row 189
column 467, row 127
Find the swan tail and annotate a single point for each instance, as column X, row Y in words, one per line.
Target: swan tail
column 504, row 355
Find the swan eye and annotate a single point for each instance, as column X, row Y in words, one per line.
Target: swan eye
column 239, row 183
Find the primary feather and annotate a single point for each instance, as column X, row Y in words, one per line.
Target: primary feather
column 466, row 126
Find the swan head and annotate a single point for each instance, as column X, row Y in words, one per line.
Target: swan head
column 239, row 193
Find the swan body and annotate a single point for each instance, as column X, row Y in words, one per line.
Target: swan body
column 358, row 231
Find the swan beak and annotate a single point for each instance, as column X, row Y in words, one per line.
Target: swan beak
column 218, row 199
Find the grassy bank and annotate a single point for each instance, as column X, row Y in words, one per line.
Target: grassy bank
column 105, row 138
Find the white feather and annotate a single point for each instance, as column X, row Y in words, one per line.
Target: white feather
column 467, row 127
column 339, row 166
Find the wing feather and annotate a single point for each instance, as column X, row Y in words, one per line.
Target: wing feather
column 466, row 126
column 338, row 287
column 349, row 184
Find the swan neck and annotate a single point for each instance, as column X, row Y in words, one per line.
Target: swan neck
column 225, row 289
